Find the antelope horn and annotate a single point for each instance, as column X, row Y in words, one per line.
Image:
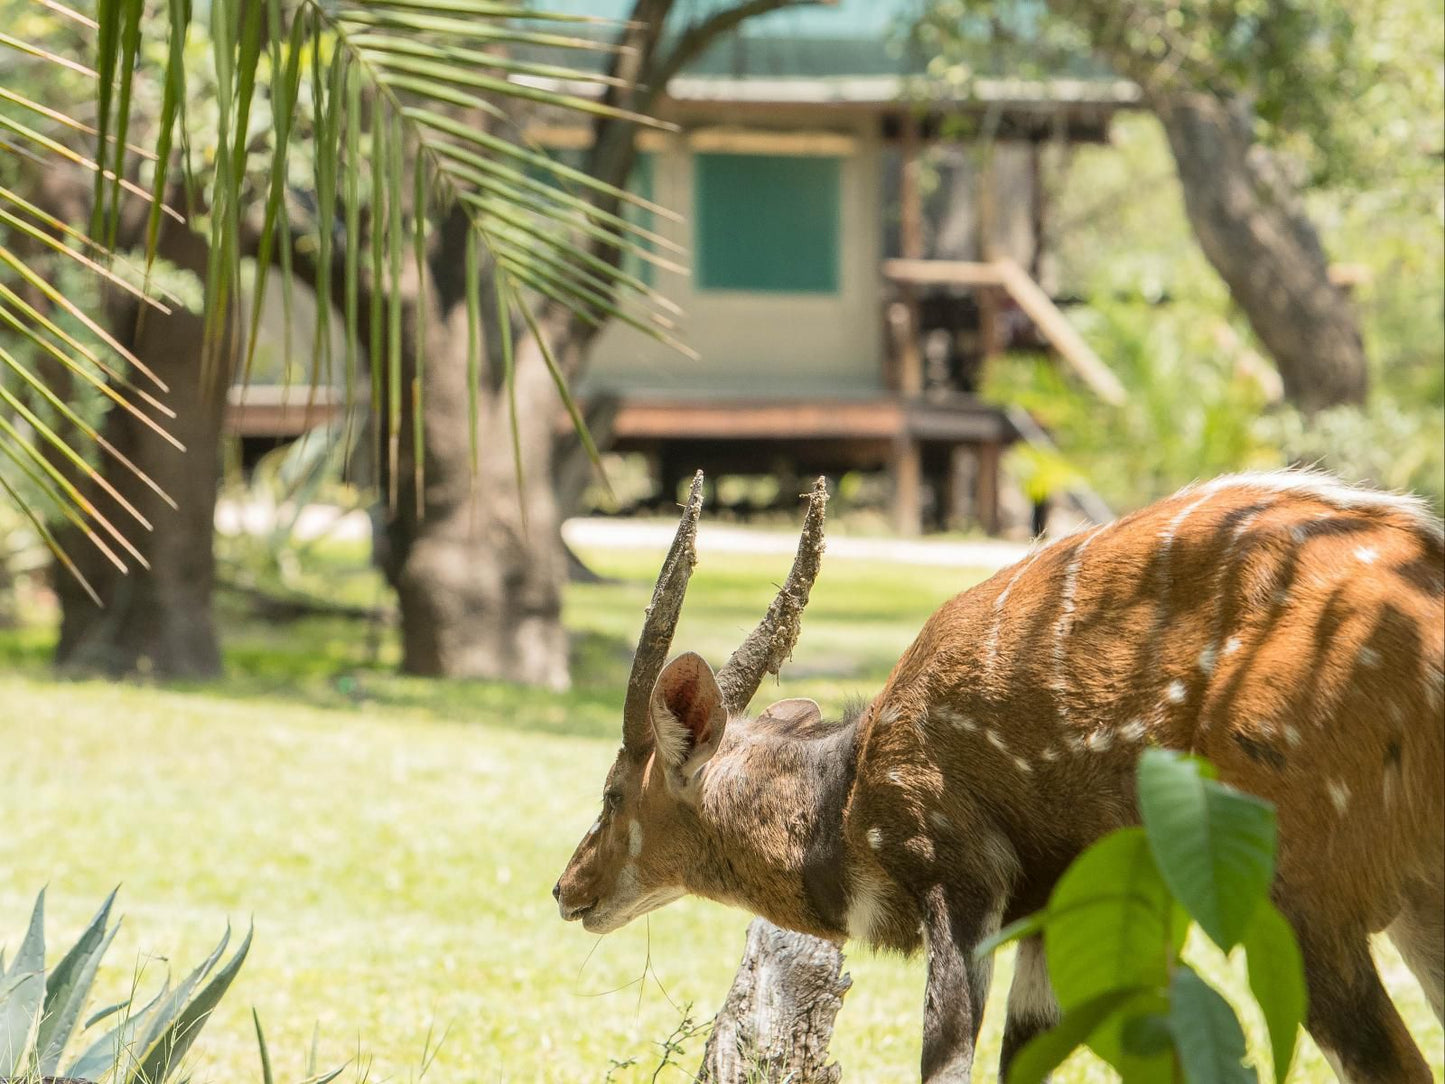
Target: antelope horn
column 769, row 645
column 660, row 623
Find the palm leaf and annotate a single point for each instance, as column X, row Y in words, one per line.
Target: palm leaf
column 406, row 108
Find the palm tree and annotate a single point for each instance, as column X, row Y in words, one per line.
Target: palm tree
column 371, row 147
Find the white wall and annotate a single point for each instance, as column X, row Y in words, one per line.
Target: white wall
column 761, row 344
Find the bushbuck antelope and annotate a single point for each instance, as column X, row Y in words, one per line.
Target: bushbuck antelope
column 1286, row 626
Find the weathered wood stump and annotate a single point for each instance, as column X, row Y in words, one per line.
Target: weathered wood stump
column 777, row 1021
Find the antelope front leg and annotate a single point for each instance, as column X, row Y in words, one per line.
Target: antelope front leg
column 957, row 985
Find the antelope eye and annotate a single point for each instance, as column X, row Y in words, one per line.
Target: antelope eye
column 611, row 801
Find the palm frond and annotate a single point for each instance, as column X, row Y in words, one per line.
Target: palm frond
column 407, row 109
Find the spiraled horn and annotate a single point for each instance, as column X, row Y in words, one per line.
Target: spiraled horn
column 660, row 623
column 769, row 645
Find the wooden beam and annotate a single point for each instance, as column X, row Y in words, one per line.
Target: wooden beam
column 1062, row 335
column 942, row 272
column 734, row 140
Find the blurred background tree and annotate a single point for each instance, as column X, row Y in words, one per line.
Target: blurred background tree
column 1274, row 133
column 376, row 150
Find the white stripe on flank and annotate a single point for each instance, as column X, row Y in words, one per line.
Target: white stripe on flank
column 990, row 657
column 1065, row 625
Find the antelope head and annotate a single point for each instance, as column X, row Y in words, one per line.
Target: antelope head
column 653, row 842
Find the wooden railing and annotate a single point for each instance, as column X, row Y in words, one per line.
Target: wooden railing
column 1007, row 275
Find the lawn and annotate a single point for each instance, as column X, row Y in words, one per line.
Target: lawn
column 395, row 840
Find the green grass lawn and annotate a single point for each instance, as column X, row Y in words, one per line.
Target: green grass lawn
column 395, row 840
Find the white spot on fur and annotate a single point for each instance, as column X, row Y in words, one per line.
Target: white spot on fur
column 1049, row 755
column 995, row 740
column 895, row 777
column 1075, row 742
column 1023, row 765
column 1231, row 645
column 1133, row 730
column 1280, row 597
column 596, row 827
column 634, row 838
column 1291, row 735
column 888, row 715
column 1100, row 740
column 1369, row 658
column 1366, row 555
column 942, row 823
column 1175, row 692
column 963, row 722
column 1298, row 534
column 875, row 838
column 1339, row 795
column 1207, row 657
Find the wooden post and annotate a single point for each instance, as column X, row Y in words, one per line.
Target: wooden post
column 987, row 297
column 986, row 499
column 907, row 471
column 959, row 486
column 910, row 243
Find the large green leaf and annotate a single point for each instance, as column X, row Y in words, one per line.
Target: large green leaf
column 22, row 993
column 1213, row 845
column 1277, row 980
column 1111, row 923
column 169, row 1048
column 1206, row 1032
column 68, row 986
column 1044, row 1053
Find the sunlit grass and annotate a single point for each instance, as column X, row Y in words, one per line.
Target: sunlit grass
column 396, row 839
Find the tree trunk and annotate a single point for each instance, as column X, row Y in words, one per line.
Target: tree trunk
column 777, row 1021
column 1253, row 230
column 477, row 563
column 158, row 619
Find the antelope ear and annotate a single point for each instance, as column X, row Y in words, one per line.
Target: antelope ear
column 796, row 710
column 687, row 710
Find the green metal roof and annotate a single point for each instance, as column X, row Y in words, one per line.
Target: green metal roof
column 841, row 39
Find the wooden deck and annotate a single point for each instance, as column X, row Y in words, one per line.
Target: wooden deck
column 953, row 443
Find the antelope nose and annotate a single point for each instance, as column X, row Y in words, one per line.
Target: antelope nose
column 557, row 891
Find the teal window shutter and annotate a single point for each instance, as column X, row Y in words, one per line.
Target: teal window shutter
column 768, row 223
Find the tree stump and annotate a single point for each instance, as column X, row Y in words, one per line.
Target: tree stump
column 777, row 1021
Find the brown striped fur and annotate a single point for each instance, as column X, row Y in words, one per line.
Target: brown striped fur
column 1287, row 627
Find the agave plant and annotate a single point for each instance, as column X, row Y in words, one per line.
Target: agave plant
column 42, row 1012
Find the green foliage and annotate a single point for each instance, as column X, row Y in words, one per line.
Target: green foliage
column 335, row 134
column 40, row 1010
column 1202, row 400
column 1115, row 925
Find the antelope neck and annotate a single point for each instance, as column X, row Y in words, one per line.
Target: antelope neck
column 775, row 797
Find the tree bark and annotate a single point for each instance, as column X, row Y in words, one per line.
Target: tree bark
column 478, row 564
column 476, row 560
column 158, row 619
column 777, row 1021
column 1255, row 233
